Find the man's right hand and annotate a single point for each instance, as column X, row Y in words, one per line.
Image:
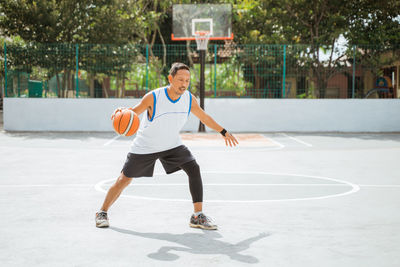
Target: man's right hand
column 117, row 110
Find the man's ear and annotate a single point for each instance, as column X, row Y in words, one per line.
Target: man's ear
column 169, row 78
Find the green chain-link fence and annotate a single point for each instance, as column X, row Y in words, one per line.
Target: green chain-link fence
column 256, row 71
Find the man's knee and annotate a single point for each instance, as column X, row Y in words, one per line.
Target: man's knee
column 191, row 167
column 195, row 183
column 123, row 181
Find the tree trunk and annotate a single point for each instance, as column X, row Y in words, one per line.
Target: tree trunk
column 189, row 54
column 117, row 89
column 123, row 87
column 64, row 82
column 91, row 85
column 73, row 84
column 59, row 91
column 322, row 84
column 68, row 81
column 256, row 78
column 103, row 86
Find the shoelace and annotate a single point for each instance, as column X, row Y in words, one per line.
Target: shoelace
column 206, row 218
column 102, row 216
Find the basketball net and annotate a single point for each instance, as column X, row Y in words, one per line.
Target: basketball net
column 202, row 38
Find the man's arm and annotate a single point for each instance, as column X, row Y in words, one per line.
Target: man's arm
column 145, row 104
column 211, row 123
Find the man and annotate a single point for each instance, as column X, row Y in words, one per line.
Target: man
column 158, row 137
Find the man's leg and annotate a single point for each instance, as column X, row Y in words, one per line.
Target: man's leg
column 192, row 169
column 112, row 195
column 198, row 206
column 198, row 219
column 115, row 191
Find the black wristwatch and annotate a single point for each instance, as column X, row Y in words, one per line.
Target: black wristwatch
column 223, row 132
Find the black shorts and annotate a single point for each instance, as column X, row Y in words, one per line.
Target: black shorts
column 139, row 165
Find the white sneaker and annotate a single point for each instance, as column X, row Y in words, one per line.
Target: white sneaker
column 102, row 219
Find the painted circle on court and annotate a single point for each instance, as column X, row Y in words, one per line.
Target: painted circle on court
column 326, row 182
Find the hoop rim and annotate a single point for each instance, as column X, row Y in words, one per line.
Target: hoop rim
column 173, row 38
column 201, row 33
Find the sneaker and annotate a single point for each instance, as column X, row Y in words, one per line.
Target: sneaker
column 203, row 222
column 102, row 219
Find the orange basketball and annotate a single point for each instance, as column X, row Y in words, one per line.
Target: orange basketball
column 126, row 122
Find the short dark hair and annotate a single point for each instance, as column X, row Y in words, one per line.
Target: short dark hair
column 177, row 66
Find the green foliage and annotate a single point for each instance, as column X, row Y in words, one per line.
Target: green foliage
column 68, row 21
column 123, row 28
column 229, row 78
column 374, row 22
column 252, row 23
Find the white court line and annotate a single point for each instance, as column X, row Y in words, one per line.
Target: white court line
column 111, row 140
column 229, row 184
column 354, row 188
column 205, row 184
column 281, row 146
column 297, row 140
column 294, row 184
column 46, row 185
column 379, row 185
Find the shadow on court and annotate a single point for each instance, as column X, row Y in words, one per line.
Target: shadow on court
column 205, row 243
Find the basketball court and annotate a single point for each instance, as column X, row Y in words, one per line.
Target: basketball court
column 279, row 199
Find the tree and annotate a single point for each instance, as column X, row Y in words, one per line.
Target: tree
column 318, row 23
column 65, row 22
column 374, row 22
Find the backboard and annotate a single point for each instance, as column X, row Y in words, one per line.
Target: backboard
column 189, row 19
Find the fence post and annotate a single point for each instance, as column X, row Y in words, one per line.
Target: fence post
column 284, row 72
column 147, row 67
column 5, row 70
column 215, row 70
column 77, row 71
column 354, row 72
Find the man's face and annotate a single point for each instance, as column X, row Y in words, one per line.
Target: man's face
column 180, row 82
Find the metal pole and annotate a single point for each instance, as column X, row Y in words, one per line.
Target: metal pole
column 5, row 69
column 77, row 71
column 215, row 70
column 284, row 72
column 147, row 67
column 354, row 72
column 202, row 91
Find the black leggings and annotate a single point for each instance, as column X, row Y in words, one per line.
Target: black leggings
column 192, row 169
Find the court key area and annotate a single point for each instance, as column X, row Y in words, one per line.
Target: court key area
column 279, row 199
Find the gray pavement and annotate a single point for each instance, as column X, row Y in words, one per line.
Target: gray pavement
column 279, row 199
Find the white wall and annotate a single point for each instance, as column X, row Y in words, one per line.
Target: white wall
column 237, row 115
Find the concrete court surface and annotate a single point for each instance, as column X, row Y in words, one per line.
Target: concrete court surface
column 279, row 199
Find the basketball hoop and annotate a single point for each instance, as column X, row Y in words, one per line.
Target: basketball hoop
column 202, row 38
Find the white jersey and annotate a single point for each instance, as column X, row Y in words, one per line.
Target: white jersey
column 161, row 132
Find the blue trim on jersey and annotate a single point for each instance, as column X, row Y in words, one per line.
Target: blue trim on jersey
column 166, row 93
column 190, row 103
column 154, row 107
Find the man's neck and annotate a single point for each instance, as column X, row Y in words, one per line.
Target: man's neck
column 171, row 94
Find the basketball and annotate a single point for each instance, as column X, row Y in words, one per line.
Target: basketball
column 125, row 122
